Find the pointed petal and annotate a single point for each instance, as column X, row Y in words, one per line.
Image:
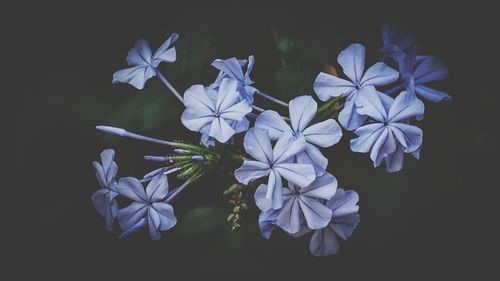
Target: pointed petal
column 129, row 216
column 107, row 157
column 352, row 60
column 324, row 242
column 432, row 94
column 367, row 136
column 272, row 122
column 324, row 187
column 131, row 188
column 165, row 53
column 196, row 97
column 311, row 155
column 324, row 134
column 379, row 74
column 195, row 121
column 368, row 103
column 394, row 161
column 287, row 146
column 258, row 145
column 154, row 224
column 251, row 170
column 316, row 214
column 302, row 110
column 157, row 188
column 405, row 106
column 299, row 174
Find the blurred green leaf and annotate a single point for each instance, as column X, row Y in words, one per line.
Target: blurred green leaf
column 201, row 220
column 293, row 80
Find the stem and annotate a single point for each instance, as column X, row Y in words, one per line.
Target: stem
column 123, row 133
column 328, row 104
column 169, row 86
column 259, row 109
column 268, row 97
column 171, row 195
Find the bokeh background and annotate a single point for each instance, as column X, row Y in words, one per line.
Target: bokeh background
column 431, row 219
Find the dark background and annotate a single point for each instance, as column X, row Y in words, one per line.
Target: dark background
column 434, row 218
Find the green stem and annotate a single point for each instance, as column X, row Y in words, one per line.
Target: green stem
column 327, row 105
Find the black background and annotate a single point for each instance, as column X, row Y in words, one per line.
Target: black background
column 432, row 219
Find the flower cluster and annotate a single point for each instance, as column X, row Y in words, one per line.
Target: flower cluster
column 283, row 166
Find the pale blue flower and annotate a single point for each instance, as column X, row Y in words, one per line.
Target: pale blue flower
column 150, row 204
column 267, row 222
column 389, row 127
column 396, row 42
column 215, row 118
column 419, row 70
column 104, row 199
column 274, row 163
column 394, row 161
column 352, row 60
column 343, row 221
column 302, row 110
column 233, row 68
column 301, row 206
column 144, row 63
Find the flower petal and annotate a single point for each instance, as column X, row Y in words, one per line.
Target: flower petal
column 367, row 136
column 302, row 110
column 406, row 106
column 258, row 145
column 267, row 223
column 394, row 161
column 251, row 170
column 327, row 86
column 379, row 74
column 348, row 116
column 220, row 130
column 129, row 216
column 345, row 225
column 430, row 69
column 100, row 175
column 104, row 203
column 165, row 53
column 316, row 214
column 324, row 134
column 352, row 60
column 237, row 111
column 227, row 95
column 273, row 191
column 431, row 94
column 230, row 67
column 384, row 146
column 154, row 224
column 368, row 103
column 299, row 174
column 131, row 188
column 197, row 98
column 140, row 54
column 324, row 242
column 289, row 217
column 343, row 203
column 167, row 217
column 261, row 201
column 311, row 155
column 272, row 122
column 195, row 121
column 410, row 137
column 157, row 188
column 287, row 146
column 135, row 76
column 323, row 187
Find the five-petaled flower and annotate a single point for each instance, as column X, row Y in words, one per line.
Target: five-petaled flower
column 219, row 118
column 302, row 110
column 274, row 163
column 352, row 60
column 104, row 199
column 418, row 70
column 390, row 128
column 151, row 204
column 344, row 220
column 301, row 206
column 233, row 68
column 144, row 63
